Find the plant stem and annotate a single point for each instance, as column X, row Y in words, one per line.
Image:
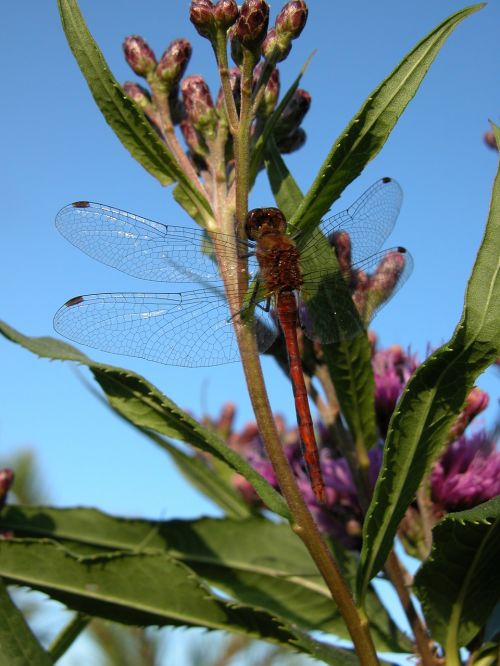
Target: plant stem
column 304, row 525
column 160, row 99
column 220, row 49
column 68, row 635
column 396, row 573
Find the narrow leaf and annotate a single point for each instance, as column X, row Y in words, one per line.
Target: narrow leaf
column 433, row 398
column 18, row 645
column 127, row 121
column 144, row 405
column 349, row 360
column 459, row 584
column 365, row 135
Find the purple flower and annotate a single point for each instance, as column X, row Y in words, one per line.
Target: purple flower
column 392, row 369
column 467, row 474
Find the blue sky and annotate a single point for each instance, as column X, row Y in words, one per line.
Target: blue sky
column 57, row 148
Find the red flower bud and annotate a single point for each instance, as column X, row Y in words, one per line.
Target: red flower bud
column 196, row 150
column 294, row 112
column 173, row 62
column 139, row 55
column 490, row 141
column 225, row 13
column 274, row 47
column 291, row 142
column 201, row 15
column 475, row 403
column 198, row 103
column 251, row 26
column 138, row 94
column 292, row 19
column 235, row 83
column 271, row 91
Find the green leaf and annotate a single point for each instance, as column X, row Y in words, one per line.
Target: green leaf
column 365, row 135
column 432, row 400
column 144, row 405
column 145, row 588
column 18, row 645
column 285, row 190
column 125, row 118
column 459, row 584
column 257, row 562
column 349, row 360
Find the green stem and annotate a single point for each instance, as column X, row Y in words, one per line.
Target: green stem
column 68, row 635
column 220, row 48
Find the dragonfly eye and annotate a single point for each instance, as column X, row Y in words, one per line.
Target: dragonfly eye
column 262, row 221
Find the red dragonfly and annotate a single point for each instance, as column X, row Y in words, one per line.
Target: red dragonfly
column 196, row 328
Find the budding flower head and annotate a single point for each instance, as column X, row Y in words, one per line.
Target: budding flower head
column 271, row 91
column 173, row 62
column 139, row 55
column 275, row 48
column 138, row 94
column 251, row 26
column 294, row 112
column 225, row 13
column 198, row 103
column 201, row 15
column 475, row 403
column 292, row 19
column 291, row 142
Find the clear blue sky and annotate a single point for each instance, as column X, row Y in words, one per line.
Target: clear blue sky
column 56, row 148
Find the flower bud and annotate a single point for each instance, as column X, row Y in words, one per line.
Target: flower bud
column 475, row 403
column 274, row 48
column 139, row 55
column 198, row 103
column 139, row 95
column 291, row 142
column 490, row 141
column 341, row 242
column 196, row 150
column 6, row 481
column 384, row 280
column 201, row 15
column 236, row 48
column 294, row 112
column 271, row 91
column 292, row 19
column 225, row 13
column 251, row 26
column 173, row 62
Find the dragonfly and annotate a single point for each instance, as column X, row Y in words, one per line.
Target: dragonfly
column 197, row 327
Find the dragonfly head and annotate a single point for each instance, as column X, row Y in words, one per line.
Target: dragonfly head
column 263, row 221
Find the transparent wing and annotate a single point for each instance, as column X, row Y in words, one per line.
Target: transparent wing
column 143, row 248
column 369, row 220
column 371, row 284
column 192, row 329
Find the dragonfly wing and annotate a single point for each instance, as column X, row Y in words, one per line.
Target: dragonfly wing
column 191, row 329
column 369, row 220
column 370, row 283
column 144, row 248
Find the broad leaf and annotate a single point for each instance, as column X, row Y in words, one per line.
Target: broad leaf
column 459, row 584
column 432, row 400
column 365, row 135
column 144, row 405
column 145, row 588
column 125, row 118
column 18, row 645
column 256, row 562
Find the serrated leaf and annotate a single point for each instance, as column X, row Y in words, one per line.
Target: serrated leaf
column 432, row 400
column 127, row 121
column 365, row 135
column 18, row 645
column 459, row 584
column 257, row 562
column 143, row 404
column 145, row 589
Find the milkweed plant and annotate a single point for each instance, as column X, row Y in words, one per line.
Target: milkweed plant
column 403, row 473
